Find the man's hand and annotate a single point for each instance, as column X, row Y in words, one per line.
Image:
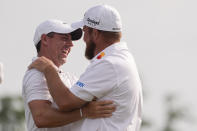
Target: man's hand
column 41, row 64
column 98, row 109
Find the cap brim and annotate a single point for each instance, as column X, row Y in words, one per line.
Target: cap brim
column 76, row 34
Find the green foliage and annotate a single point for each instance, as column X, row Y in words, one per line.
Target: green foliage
column 174, row 113
column 11, row 114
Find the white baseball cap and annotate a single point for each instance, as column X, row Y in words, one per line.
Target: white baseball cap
column 101, row 17
column 56, row 26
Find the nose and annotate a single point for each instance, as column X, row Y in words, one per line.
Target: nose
column 69, row 43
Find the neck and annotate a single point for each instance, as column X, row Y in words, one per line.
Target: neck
column 45, row 54
column 42, row 53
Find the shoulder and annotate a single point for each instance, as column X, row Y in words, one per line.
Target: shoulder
column 104, row 64
column 121, row 62
column 32, row 75
column 101, row 69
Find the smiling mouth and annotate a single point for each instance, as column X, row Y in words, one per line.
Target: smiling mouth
column 65, row 53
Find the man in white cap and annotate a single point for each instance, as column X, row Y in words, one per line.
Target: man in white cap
column 53, row 40
column 111, row 75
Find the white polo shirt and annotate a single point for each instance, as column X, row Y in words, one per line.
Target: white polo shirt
column 112, row 75
column 35, row 88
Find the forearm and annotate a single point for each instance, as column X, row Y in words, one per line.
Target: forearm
column 56, row 87
column 65, row 100
column 54, row 118
column 45, row 116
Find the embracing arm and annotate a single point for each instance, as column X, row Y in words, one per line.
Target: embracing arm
column 65, row 100
column 45, row 116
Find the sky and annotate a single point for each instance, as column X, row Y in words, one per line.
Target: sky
column 161, row 35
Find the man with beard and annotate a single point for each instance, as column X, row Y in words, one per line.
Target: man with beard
column 111, row 75
column 53, row 40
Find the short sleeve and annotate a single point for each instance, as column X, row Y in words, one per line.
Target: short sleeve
column 97, row 80
column 35, row 87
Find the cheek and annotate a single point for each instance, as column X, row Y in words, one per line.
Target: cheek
column 59, row 46
column 54, row 51
column 51, row 49
column 86, row 37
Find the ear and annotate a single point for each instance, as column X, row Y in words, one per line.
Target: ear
column 44, row 40
column 95, row 34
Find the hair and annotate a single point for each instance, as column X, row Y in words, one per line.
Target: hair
column 90, row 30
column 108, row 36
column 38, row 46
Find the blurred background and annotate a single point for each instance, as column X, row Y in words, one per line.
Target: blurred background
column 161, row 34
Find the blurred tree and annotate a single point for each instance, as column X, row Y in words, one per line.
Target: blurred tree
column 11, row 114
column 174, row 113
column 146, row 123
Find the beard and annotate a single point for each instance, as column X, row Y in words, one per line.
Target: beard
column 89, row 52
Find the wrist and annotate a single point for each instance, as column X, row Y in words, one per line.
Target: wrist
column 50, row 68
column 83, row 113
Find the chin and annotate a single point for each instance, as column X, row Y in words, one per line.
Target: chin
column 64, row 61
column 61, row 62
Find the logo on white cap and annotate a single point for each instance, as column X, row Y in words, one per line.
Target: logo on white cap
column 92, row 22
column 102, row 17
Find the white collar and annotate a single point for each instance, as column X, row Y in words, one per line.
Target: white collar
column 116, row 46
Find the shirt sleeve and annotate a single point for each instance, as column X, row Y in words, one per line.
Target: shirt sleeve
column 97, row 80
column 35, row 87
